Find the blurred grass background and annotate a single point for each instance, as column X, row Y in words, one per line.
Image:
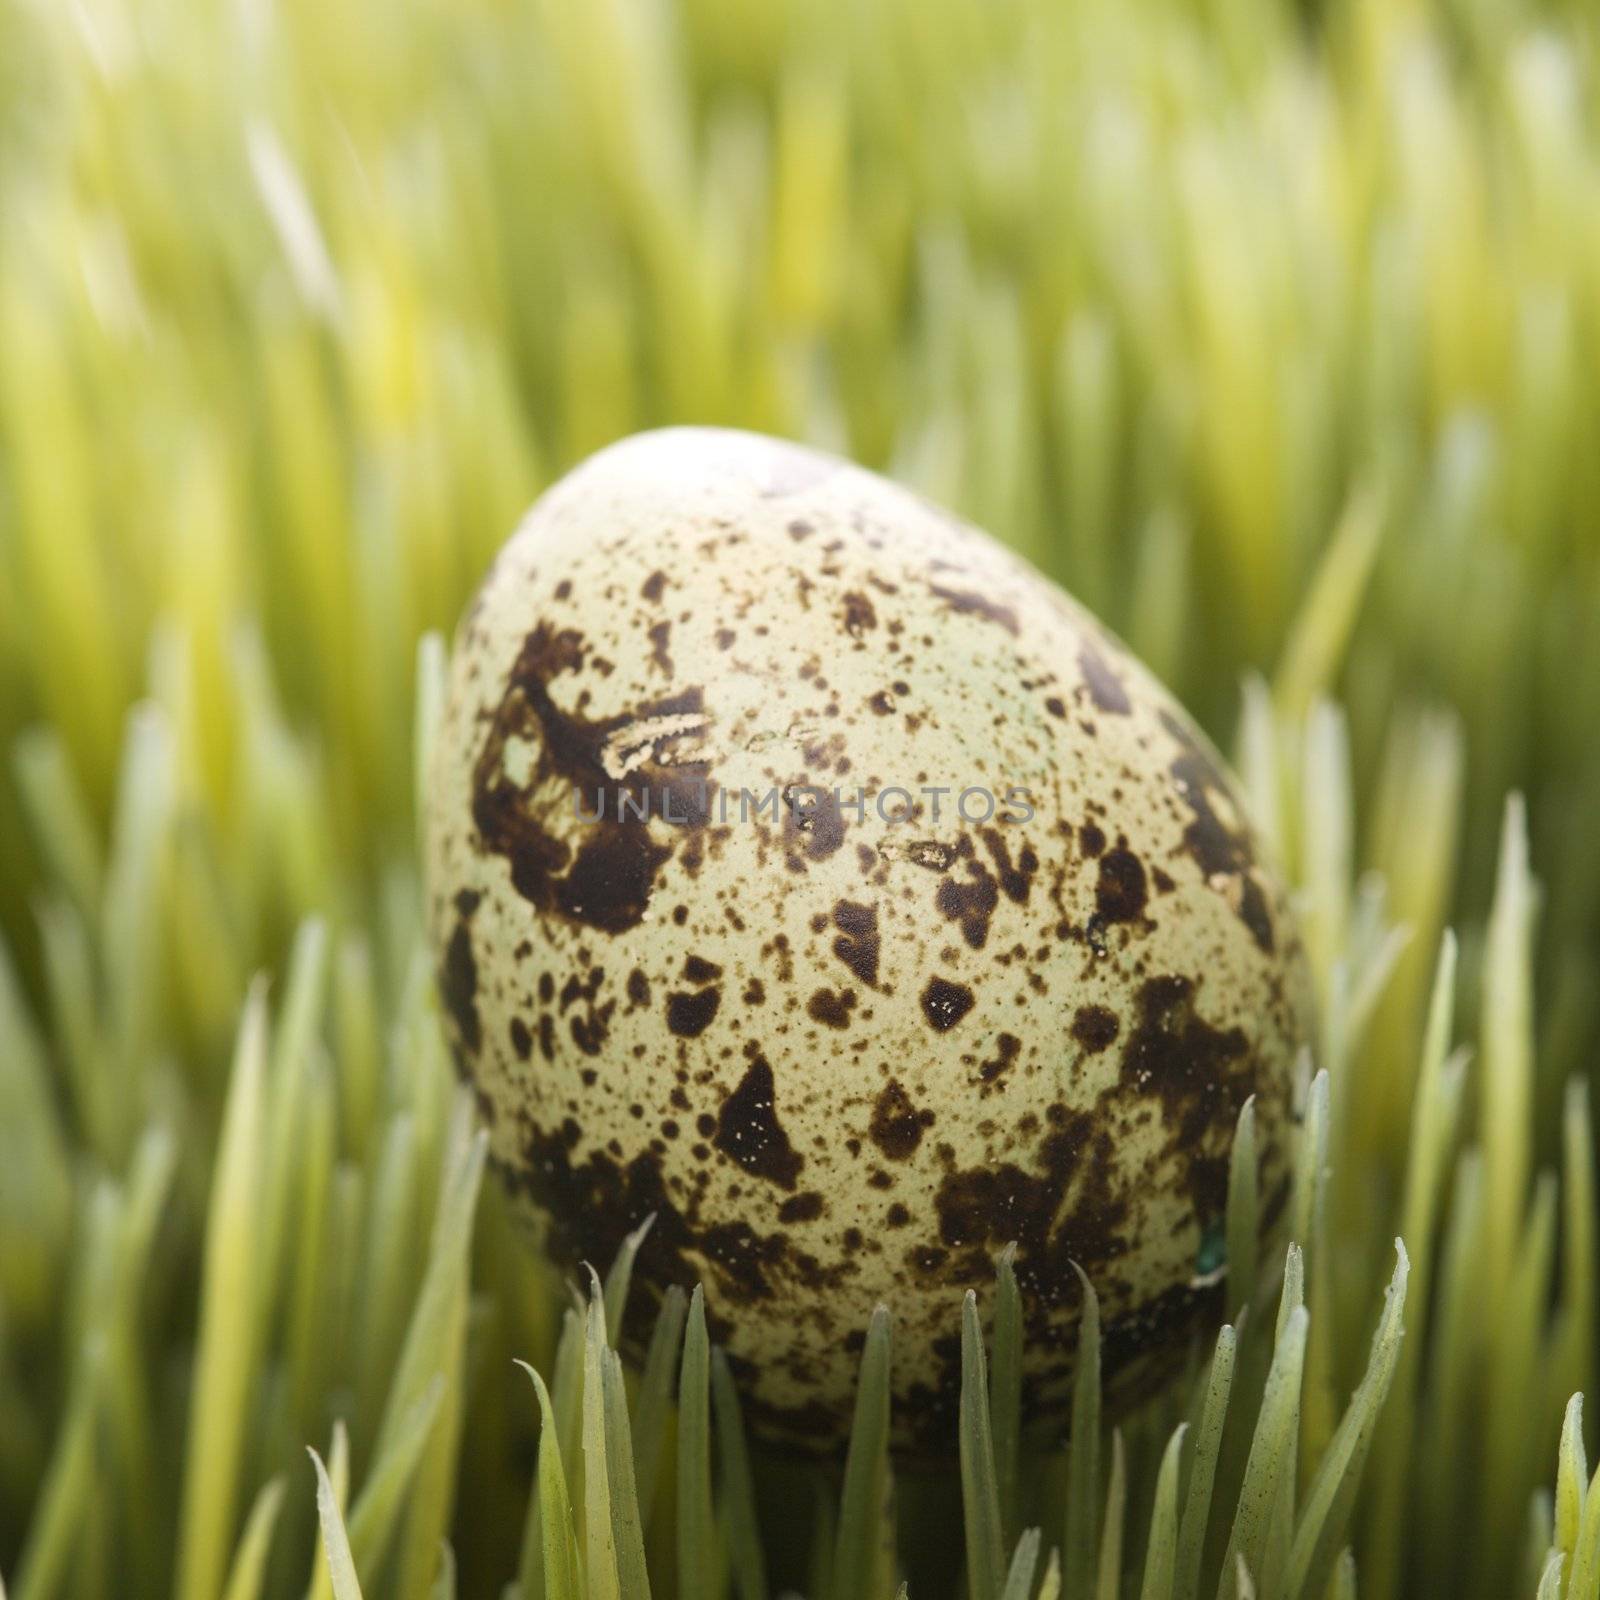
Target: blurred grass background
column 1272, row 330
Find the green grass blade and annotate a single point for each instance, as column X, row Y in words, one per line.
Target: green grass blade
column 321, row 1587
column 1505, row 1101
column 1310, row 1163
column 738, row 1492
column 1270, row 1466
column 341, row 1567
column 1583, row 1576
column 558, row 1545
column 1328, row 1502
column 1343, row 1586
column 1572, row 1478
column 426, row 1347
column 980, row 1494
column 1005, row 1386
column 1081, row 1537
column 1203, row 1470
column 248, row 1577
column 866, row 1470
column 373, row 1519
column 627, row 1526
column 1050, row 1584
column 66, row 1493
column 444, row 1583
column 1161, row 1553
column 1108, row 1583
column 1243, row 1222
column 697, row 1551
column 287, row 1085
column 653, row 1403
column 599, row 1544
column 620, row 1277
column 1550, row 1579
column 1019, row 1579
column 225, row 1360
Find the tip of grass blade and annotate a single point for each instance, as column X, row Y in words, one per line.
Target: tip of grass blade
column 335, row 1542
column 979, row 1491
column 861, row 1499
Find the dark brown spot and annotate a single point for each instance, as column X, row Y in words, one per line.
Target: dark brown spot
column 805, row 1207
column 964, row 602
column 1007, row 1048
column 1120, row 895
column 698, row 970
column 458, row 977
column 748, row 1129
column 1094, row 1027
column 1254, row 914
column 857, row 944
column 1015, row 881
column 1199, row 1074
column 970, row 903
column 897, row 1126
column 660, row 639
column 689, row 1015
column 813, row 825
column 1104, row 686
column 594, row 1204
column 638, row 988
column 830, row 1008
column 945, row 1003
column 858, row 614
column 521, row 1039
column 1215, row 848
column 654, row 586
column 606, row 881
column 1091, row 838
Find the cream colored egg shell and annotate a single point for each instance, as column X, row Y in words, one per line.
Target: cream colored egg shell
column 846, row 1060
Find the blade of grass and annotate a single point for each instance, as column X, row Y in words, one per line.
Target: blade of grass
column 628, row 1531
column 866, row 1470
column 249, row 1575
column 371, row 1524
column 1019, row 1579
column 653, row 1403
column 1203, row 1469
column 1572, row 1478
column 1078, row 1547
column 1161, row 1553
column 558, row 1543
column 979, row 1493
column 1271, row 1457
column 697, row 1555
column 1108, row 1584
column 738, row 1493
column 599, row 1544
column 620, row 1277
column 321, row 1587
column 341, row 1568
column 67, row 1489
column 1243, row 1210
column 1005, row 1386
column 225, row 1360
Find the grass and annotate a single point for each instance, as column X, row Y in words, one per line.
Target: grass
column 1270, row 329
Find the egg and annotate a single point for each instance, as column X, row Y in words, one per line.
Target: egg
column 808, row 873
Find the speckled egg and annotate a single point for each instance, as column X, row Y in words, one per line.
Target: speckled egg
column 808, row 872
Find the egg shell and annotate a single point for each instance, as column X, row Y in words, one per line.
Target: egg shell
column 842, row 1054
